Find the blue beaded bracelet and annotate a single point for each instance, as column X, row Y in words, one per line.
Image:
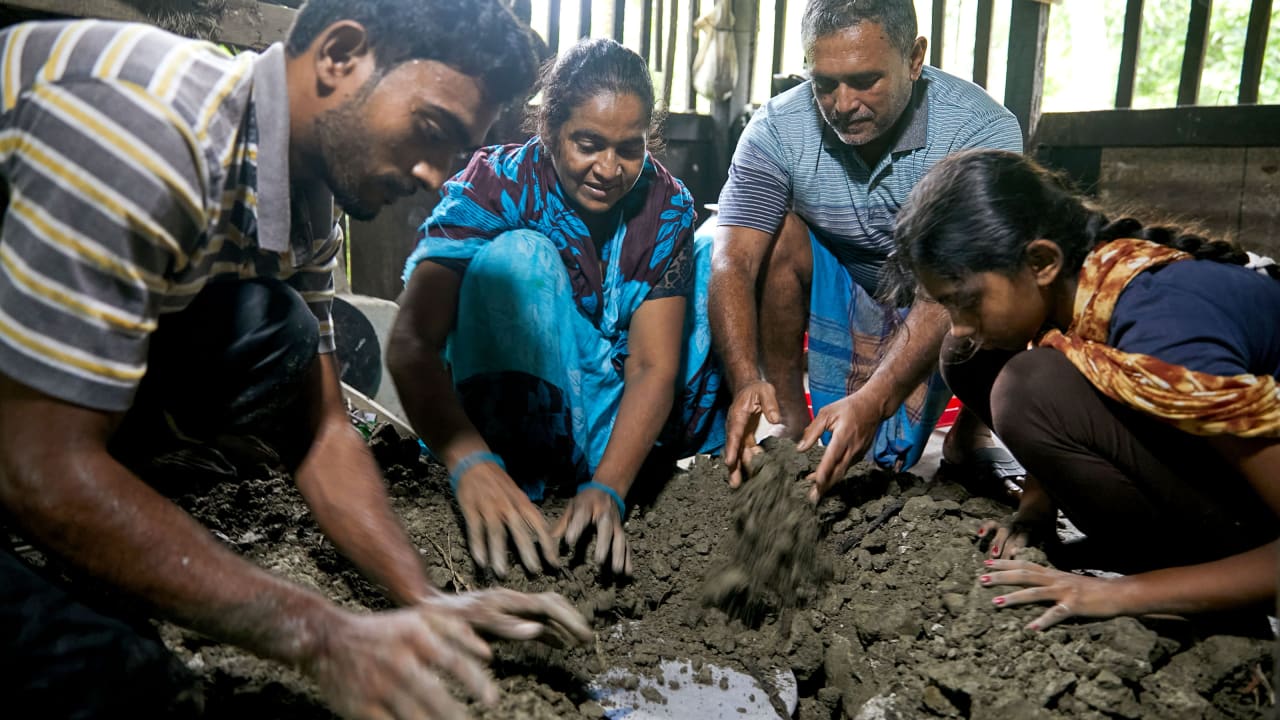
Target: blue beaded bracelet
column 593, row 485
column 476, row 458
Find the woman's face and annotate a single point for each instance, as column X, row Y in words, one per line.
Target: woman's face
column 599, row 151
column 992, row 309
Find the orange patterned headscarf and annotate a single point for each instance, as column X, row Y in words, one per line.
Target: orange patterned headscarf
column 1195, row 402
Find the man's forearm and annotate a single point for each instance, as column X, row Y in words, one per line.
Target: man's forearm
column 735, row 332
column 343, row 487
column 93, row 513
column 911, row 357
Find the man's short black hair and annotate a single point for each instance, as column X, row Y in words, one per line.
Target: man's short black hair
column 479, row 38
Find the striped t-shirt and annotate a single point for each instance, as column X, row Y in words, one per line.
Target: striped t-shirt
column 789, row 160
column 131, row 160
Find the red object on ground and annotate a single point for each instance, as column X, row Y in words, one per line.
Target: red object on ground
column 949, row 414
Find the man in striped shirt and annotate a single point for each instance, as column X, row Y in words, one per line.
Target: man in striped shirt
column 166, row 264
column 806, row 224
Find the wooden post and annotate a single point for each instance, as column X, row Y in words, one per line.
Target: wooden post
column 1255, row 45
column 584, row 19
column 938, row 30
column 691, row 42
column 982, row 42
column 553, row 26
column 1129, row 45
column 779, row 33
column 1193, row 55
column 619, row 17
column 646, row 31
column 1024, row 88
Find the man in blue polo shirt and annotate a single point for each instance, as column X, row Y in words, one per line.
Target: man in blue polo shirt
column 805, row 227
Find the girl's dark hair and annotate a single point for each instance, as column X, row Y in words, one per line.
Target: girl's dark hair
column 976, row 211
column 503, row 55
column 589, row 68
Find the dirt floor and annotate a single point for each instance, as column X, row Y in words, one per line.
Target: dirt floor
column 888, row 620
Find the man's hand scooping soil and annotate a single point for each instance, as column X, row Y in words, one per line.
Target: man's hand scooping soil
column 387, row 665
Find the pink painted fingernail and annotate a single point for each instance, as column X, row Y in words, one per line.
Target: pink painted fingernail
column 988, row 563
column 1034, row 626
column 995, row 550
column 999, row 600
column 982, row 531
column 984, row 579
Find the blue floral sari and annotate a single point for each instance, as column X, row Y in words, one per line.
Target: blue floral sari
column 538, row 351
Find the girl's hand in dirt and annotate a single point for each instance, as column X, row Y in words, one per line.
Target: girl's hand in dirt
column 595, row 507
column 493, row 507
column 1034, row 518
column 740, row 448
column 1072, row 595
column 852, row 423
column 387, row 665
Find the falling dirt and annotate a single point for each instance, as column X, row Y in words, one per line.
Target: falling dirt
column 882, row 619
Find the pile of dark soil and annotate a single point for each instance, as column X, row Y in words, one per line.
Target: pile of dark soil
column 875, row 606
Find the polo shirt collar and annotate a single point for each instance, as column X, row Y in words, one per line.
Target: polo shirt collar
column 275, row 191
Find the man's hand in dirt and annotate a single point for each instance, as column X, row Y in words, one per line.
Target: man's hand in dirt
column 493, row 506
column 387, row 665
column 1072, row 595
column 852, row 423
column 740, row 448
column 595, row 507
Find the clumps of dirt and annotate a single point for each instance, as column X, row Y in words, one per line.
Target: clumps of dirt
column 901, row 629
column 775, row 560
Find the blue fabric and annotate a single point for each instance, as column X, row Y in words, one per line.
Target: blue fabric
column 543, row 383
column 1203, row 315
column 848, row 333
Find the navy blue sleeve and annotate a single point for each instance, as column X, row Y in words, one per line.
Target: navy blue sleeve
column 1203, row 315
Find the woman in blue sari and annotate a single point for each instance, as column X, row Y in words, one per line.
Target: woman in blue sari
column 553, row 328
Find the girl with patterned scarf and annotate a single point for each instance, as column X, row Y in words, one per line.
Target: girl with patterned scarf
column 1147, row 410
column 553, row 327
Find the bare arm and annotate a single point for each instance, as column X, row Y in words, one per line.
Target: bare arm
column 68, row 493
column 428, row 309
column 649, row 390
column 911, row 357
column 735, row 332
column 1235, row 581
column 731, row 301
column 1241, row 580
column 343, row 487
column 492, row 504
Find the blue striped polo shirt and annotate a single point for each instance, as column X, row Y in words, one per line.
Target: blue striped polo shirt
column 789, row 160
column 134, row 177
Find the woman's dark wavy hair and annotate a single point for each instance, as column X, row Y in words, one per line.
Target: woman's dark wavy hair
column 479, row 38
column 976, row 211
column 589, row 68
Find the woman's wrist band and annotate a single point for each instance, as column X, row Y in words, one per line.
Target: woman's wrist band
column 478, row 457
column 593, row 485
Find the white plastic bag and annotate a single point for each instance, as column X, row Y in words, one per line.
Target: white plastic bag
column 715, row 68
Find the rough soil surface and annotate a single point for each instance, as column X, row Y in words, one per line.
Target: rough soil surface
column 882, row 619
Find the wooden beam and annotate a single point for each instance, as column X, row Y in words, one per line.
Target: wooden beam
column 245, row 23
column 1024, row 85
column 938, row 29
column 646, row 30
column 1194, row 51
column 779, row 32
column 660, row 55
column 584, row 19
column 1191, row 126
column 1129, row 44
column 982, row 41
column 691, row 42
column 1255, row 45
column 619, row 18
column 553, row 26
